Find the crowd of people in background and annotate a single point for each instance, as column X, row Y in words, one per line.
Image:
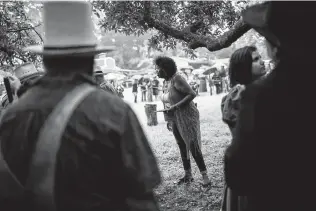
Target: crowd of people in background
column 149, row 89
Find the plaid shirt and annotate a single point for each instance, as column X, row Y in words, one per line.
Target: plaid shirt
column 108, row 87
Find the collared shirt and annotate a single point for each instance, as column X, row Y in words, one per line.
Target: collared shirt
column 105, row 161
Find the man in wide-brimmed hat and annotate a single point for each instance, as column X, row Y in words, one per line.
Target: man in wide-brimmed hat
column 22, row 78
column 98, row 75
column 105, row 161
column 272, row 154
column 27, row 74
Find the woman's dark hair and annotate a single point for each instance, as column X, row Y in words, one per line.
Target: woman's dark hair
column 167, row 64
column 240, row 66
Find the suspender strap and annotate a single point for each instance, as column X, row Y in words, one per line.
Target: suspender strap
column 41, row 180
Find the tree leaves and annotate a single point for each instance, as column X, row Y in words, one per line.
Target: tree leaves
column 18, row 30
column 129, row 18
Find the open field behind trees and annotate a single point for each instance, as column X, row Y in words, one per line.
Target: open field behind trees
column 215, row 138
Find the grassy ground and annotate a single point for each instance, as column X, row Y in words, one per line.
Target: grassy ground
column 215, row 138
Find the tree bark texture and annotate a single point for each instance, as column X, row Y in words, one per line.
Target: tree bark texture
column 150, row 110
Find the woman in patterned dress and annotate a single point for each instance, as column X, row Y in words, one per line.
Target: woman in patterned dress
column 186, row 121
column 245, row 67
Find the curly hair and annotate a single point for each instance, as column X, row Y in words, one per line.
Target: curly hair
column 240, row 66
column 167, row 64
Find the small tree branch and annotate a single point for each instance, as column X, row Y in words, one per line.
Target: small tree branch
column 23, row 28
column 189, row 35
column 38, row 34
column 22, row 59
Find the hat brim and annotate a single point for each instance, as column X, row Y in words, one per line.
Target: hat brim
column 96, row 74
column 256, row 17
column 75, row 51
column 31, row 76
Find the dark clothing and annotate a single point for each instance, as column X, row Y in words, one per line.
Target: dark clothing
column 105, row 161
column 194, row 148
column 231, row 201
column 143, row 88
column 135, row 86
column 135, row 91
column 272, row 155
column 155, row 85
column 217, row 80
column 218, row 83
column 26, row 83
column 230, row 106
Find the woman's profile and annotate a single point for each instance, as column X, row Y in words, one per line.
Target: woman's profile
column 178, row 98
column 245, row 67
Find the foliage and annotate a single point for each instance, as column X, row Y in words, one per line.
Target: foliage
column 18, row 30
column 203, row 18
column 144, row 27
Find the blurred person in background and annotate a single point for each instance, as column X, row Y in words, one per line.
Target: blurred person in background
column 99, row 79
column 24, row 76
column 120, row 90
column 135, row 89
column 155, row 84
column 149, row 91
column 27, row 74
column 217, row 82
column 143, row 89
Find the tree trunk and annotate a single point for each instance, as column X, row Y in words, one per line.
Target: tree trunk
column 150, row 110
column 202, row 87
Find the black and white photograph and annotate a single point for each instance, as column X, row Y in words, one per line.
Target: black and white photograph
column 157, row 105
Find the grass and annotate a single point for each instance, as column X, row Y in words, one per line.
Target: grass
column 215, row 138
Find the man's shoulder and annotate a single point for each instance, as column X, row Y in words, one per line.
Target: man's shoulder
column 99, row 107
column 107, row 106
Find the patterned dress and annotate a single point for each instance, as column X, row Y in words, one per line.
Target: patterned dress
column 186, row 118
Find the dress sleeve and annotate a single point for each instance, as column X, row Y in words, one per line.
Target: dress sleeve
column 230, row 105
column 139, row 166
column 239, row 161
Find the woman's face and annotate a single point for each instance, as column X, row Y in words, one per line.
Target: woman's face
column 161, row 73
column 258, row 69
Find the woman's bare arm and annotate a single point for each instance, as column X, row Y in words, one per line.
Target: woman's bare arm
column 182, row 86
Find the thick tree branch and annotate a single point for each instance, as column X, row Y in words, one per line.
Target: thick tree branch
column 223, row 41
column 195, row 40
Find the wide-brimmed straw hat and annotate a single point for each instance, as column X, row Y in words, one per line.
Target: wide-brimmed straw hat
column 27, row 71
column 68, row 30
column 283, row 23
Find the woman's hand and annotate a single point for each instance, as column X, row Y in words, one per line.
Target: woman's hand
column 172, row 108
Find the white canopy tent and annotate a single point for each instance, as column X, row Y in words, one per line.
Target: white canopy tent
column 114, row 76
